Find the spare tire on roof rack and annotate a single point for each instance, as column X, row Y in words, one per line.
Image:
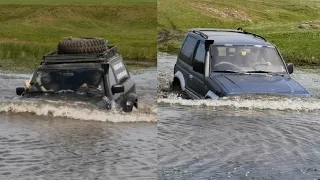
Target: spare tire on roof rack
column 81, row 46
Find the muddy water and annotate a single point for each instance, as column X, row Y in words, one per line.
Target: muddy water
column 47, row 139
column 240, row 137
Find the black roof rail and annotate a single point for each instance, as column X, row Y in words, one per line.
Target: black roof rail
column 255, row 35
column 213, row 29
column 55, row 58
column 200, row 33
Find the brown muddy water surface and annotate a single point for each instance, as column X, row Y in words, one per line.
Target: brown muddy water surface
column 238, row 138
column 47, row 139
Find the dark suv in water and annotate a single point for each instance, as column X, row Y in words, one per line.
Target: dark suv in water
column 213, row 63
column 92, row 73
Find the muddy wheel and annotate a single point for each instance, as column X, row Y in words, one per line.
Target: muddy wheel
column 81, row 45
column 128, row 109
column 176, row 89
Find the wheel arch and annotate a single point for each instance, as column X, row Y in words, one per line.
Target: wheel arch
column 179, row 76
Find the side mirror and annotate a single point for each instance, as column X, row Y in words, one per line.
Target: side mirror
column 106, row 66
column 290, row 67
column 198, row 66
column 118, row 88
column 19, row 90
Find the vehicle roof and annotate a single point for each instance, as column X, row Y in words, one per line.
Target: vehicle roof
column 234, row 37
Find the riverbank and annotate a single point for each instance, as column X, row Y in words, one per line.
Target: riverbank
column 293, row 26
column 30, row 30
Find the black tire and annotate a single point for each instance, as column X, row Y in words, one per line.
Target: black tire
column 128, row 109
column 176, row 88
column 81, row 46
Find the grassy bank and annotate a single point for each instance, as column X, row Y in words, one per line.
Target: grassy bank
column 281, row 22
column 29, row 29
column 85, row 2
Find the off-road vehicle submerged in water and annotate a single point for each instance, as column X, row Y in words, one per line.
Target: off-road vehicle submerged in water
column 86, row 68
column 213, row 63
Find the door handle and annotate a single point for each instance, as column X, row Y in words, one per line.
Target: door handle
column 190, row 76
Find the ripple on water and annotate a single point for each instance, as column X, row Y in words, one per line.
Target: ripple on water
column 59, row 148
column 217, row 143
column 244, row 137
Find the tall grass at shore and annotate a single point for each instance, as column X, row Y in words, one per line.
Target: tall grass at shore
column 28, row 31
column 292, row 25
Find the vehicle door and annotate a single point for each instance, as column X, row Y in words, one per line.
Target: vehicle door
column 196, row 79
column 184, row 62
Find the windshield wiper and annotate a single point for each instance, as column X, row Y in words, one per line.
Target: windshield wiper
column 229, row 71
column 258, row 71
column 265, row 72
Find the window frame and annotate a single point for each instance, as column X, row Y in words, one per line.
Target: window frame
column 185, row 58
column 196, row 50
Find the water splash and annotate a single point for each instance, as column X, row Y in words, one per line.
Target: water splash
column 76, row 111
column 252, row 102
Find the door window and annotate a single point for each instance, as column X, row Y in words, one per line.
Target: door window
column 201, row 53
column 188, row 49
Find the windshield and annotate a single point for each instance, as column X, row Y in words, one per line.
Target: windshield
column 57, row 80
column 246, row 59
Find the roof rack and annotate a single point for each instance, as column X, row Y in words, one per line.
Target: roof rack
column 55, row 58
column 239, row 30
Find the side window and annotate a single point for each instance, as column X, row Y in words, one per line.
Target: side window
column 201, row 53
column 188, row 49
column 120, row 71
column 112, row 81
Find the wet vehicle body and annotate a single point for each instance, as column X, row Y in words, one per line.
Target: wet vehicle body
column 102, row 78
column 214, row 63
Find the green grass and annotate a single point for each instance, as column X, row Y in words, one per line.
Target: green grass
column 28, row 31
column 276, row 20
column 59, row 2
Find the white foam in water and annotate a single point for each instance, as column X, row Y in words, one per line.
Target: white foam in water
column 74, row 111
column 259, row 103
